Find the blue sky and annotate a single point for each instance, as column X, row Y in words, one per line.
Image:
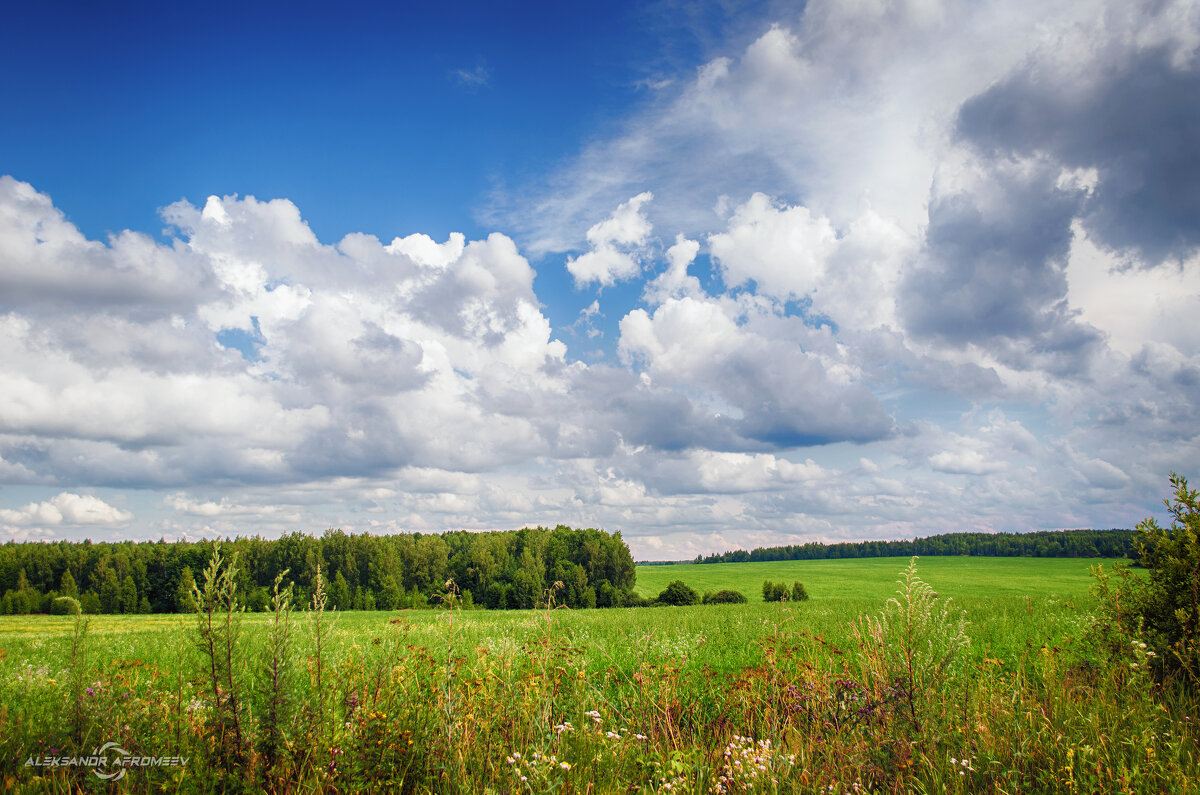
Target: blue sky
column 389, row 119
column 712, row 274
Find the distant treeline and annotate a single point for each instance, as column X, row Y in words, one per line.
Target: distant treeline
column 1040, row 544
column 362, row 572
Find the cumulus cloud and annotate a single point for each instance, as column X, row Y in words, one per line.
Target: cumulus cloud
column 1111, row 104
column 66, row 508
column 675, row 282
column 924, row 212
column 766, row 386
column 783, row 251
column 613, row 245
column 992, row 271
column 47, row 261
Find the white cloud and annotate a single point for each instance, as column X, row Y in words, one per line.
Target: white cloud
column 784, row 251
column 475, row 78
column 675, row 282
column 964, row 462
column 1135, row 306
column 822, row 357
column 613, row 245
column 66, row 508
column 184, row 504
column 754, row 368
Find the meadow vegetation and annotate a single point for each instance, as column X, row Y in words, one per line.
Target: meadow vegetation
column 987, row 692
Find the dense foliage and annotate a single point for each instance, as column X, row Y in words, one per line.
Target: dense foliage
column 1163, row 608
column 725, row 597
column 495, row 570
column 779, row 592
column 1042, row 544
column 678, row 593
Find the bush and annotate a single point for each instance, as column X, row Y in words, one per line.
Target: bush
column 774, row 591
column 65, row 606
column 678, row 593
column 633, row 599
column 90, row 603
column 1163, row 608
column 725, row 598
column 799, row 594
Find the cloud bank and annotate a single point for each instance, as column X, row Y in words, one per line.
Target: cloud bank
column 895, row 269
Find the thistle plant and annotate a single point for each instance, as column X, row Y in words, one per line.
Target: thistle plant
column 276, row 684
column 912, row 649
column 320, row 629
column 218, row 628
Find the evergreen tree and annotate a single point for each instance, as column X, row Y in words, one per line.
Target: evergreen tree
column 67, row 586
column 110, row 592
column 389, row 594
column 183, row 592
column 339, row 593
column 129, row 597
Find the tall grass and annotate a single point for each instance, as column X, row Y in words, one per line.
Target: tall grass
column 810, row 697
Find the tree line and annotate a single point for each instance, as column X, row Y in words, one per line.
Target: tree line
column 498, row 570
column 1039, row 544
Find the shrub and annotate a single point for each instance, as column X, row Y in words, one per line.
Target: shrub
column 725, row 598
column 774, row 591
column 634, row 599
column 679, row 593
column 1164, row 607
column 90, row 603
column 799, row 594
column 65, row 606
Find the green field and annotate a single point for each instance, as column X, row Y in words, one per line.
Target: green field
column 875, row 578
column 657, row 699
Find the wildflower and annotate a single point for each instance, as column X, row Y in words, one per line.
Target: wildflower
column 612, row 735
column 639, row 736
column 565, row 765
column 511, row 761
column 91, row 692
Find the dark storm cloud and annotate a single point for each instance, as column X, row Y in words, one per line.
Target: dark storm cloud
column 1136, row 119
column 993, row 271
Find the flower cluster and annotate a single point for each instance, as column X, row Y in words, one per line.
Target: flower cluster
column 746, row 763
column 538, row 766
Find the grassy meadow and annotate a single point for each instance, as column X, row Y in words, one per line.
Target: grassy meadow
column 836, row 694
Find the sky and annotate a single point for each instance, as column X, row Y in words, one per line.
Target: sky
column 714, row 274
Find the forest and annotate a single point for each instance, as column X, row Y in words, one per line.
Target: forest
column 496, row 570
column 1038, row 544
